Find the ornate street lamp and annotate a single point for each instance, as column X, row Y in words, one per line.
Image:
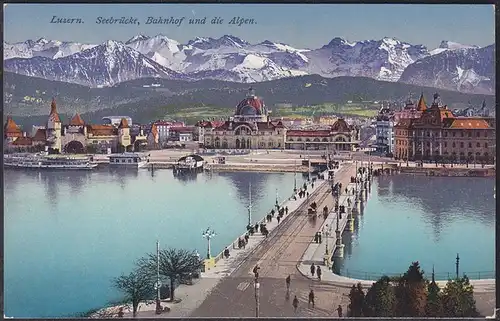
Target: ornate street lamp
column 208, row 235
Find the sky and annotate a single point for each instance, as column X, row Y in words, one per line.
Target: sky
column 300, row 25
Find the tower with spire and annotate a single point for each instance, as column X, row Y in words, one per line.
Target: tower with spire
column 124, row 134
column 54, row 128
column 421, row 105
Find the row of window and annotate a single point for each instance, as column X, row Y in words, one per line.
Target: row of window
column 445, row 144
column 444, row 133
column 428, row 153
column 123, row 160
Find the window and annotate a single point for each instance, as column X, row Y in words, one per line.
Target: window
column 453, row 134
column 461, row 145
column 445, row 144
column 485, row 134
column 470, row 134
column 445, row 134
column 485, row 145
column 129, row 160
column 135, row 160
column 478, row 134
column 453, row 145
column 478, row 145
column 462, row 134
column 470, row 145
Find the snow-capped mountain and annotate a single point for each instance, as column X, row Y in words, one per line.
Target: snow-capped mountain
column 465, row 69
column 449, row 45
column 226, row 58
column 103, row 65
column 383, row 59
column 43, row 48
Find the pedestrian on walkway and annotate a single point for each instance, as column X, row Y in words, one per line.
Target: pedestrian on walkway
column 295, row 304
column 286, row 210
column 318, row 272
column 311, row 298
column 288, row 279
column 226, row 253
column 339, row 310
column 313, row 269
column 278, row 218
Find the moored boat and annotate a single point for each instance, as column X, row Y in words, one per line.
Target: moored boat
column 133, row 160
column 45, row 161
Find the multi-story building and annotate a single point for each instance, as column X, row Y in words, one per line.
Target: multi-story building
column 438, row 135
column 163, row 127
column 252, row 128
column 75, row 137
column 384, row 131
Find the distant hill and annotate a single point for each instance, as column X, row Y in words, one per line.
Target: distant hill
column 147, row 98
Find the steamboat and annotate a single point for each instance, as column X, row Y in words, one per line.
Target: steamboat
column 46, row 161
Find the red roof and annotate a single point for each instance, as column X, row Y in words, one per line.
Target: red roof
column 40, row 135
column 11, row 127
column 123, row 123
column 77, row 120
column 23, row 141
column 54, row 116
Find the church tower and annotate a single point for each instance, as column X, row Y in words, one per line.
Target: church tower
column 54, row 129
column 124, row 134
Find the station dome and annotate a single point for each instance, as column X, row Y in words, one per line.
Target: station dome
column 250, row 106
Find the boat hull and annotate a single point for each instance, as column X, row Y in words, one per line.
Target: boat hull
column 50, row 167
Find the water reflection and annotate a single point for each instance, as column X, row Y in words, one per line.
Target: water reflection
column 471, row 197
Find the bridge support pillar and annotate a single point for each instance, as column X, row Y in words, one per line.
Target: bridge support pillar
column 350, row 223
column 355, row 207
column 339, row 251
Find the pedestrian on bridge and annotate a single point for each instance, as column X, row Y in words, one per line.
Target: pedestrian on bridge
column 288, row 279
column 278, row 219
column 311, row 298
column 295, row 304
column 313, row 269
column 286, row 210
column 339, row 311
column 318, row 272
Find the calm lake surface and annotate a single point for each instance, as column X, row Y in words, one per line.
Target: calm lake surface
column 67, row 234
column 426, row 219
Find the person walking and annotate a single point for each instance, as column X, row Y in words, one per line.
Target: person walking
column 278, row 218
column 288, row 279
column 339, row 311
column 311, row 298
column 295, row 304
column 313, row 269
column 318, row 272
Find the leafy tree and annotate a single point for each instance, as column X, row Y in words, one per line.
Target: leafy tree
column 357, row 298
column 175, row 265
column 434, row 306
column 136, row 286
column 380, row 300
column 458, row 299
column 411, row 292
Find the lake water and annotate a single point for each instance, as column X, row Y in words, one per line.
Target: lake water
column 67, row 234
column 426, row 219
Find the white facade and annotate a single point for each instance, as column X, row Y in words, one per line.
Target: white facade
column 384, row 131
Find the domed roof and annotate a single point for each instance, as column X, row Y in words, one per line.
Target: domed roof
column 251, row 105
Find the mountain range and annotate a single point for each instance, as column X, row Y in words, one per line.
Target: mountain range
column 452, row 66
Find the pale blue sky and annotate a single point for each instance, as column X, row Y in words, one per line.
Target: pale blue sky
column 302, row 25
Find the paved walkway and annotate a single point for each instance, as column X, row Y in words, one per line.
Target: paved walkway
column 277, row 257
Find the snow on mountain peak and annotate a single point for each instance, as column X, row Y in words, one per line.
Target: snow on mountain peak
column 139, row 37
column 445, row 44
column 337, row 41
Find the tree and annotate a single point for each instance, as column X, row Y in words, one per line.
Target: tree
column 434, row 306
column 357, row 298
column 136, row 286
column 411, row 292
column 175, row 265
column 380, row 299
column 458, row 299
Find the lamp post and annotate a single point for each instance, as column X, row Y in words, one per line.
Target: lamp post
column 158, row 283
column 295, row 178
column 208, row 235
column 277, row 204
column 457, row 264
column 257, row 303
column 250, row 204
column 326, row 233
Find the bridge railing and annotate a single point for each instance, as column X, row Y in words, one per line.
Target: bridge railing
column 364, row 275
